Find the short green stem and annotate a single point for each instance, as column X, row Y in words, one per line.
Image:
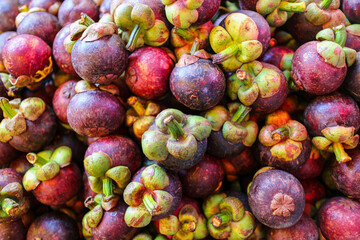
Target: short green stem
column 341, row 155
column 220, row 219
column 134, row 36
column 189, row 226
column 293, row 6
column 136, row 105
column 240, row 114
column 151, row 205
column 9, row 111
column 225, row 54
column 325, row 4
column 107, row 187
column 174, row 127
column 86, row 20
column 340, row 35
column 281, row 133
column 35, row 159
column 184, row 33
column 195, row 47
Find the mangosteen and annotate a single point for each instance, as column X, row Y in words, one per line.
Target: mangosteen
column 61, row 99
column 12, row 230
column 8, row 12
column 351, row 9
column 4, row 37
column 51, row 6
column 70, row 10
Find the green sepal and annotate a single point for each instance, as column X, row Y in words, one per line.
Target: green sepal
column 98, row 30
column 95, row 184
column 338, row 133
column 249, row 51
column 217, row 116
column 137, row 216
column 48, row 171
column 248, row 94
column 94, row 216
column 233, row 206
column 5, row 135
column 183, row 148
column 219, row 232
column 122, row 17
column 32, row 108
column 244, row 228
column 265, row 7
column 30, row 182
column 277, row 18
column 350, row 56
column 315, row 15
column 133, row 194
column 332, row 53
column 198, row 126
column 153, row 144
column 119, row 174
column 298, row 131
column 353, row 29
column 241, row 27
column 62, row 156
column 179, row 15
column 179, row 116
column 169, row 225
column 234, row 133
column 154, row 177
column 211, row 204
column 157, row 35
column 143, row 15
column 268, row 81
column 352, row 142
column 252, row 130
column 97, row 164
column 287, row 150
column 321, row 143
column 201, row 230
column 233, row 85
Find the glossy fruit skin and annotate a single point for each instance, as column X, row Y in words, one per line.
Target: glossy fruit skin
column 70, row 11
column 351, row 8
column 202, row 179
column 304, row 229
column 21, row 164
column 331, row 110
column 41, row 24
column 101, row 61
column 206, row 11
column 155, row 5
column 338, row 218
column 61, row 56
column 346, row 175
column 12, row 230
column 148, row 72
column 311, row 168
column 95, row 113
column 61, row 99
column 265, row 187
column 8, row 12
column 314, row 190
column 25, row 55
column 199, row 86
column 61, row 188
column 7, row 153
column 305, row 71
column 241, row 164
column 53, row 225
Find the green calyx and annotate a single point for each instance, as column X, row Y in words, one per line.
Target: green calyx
column 175, row 134
column 92, row 218
column 316, row 14
column 13, row 203
column 236, row 43
column 98, row 30
column 139, row 26
column 147, row 197
column 336, row 140
column 332, row 53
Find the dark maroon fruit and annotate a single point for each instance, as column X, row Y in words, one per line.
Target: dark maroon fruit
column 219, row 147
column 338, row 218
column 8, row 12
column 4, row 37
column 353, row 37
column 13, row 230
column 53, row 225
column 51, row 6
column 304, row 229
column 351, row 9
column 352, row 82
column 61, row 99
column 7, row 153
column 148, row 72
column 312, row 167
column 302, row 30
column 44, row 90
column 202, row 179
column 70, row 10
column 20, row 164
column 314, row 190
column 276, row 198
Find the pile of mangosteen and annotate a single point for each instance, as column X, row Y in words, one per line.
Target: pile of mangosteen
column 179, row 119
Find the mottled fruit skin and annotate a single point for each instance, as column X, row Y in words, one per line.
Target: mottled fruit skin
column 202, row 179
column 219, row 147
column 8, row 175
column 38, row 134
column 305, row 71
column 7, row 153
column 263, row 154
column 53, row 225
column 101, row 61
column 61, row 56
column 25, row 55
column 21, row 164
column 113, row 226
column 301, row 30
column 199, row 86
column 331, row 110
column 4, row 37
column 61, row 99
column 351, row 8
column 314, row 190
column 352, row 81
column 148, row 72
column 8, row 12
column 304, row 229
column 70, row 11
column 41, row 24
column 311, row 168
column 12, row 230
column 95, row 113
column 123, row 151
column 57, row 191
column 346, row 175
column 339, row 218
column 265, row 187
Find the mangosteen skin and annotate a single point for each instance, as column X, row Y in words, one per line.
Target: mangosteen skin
column 38, row 134
column 41, row 24
column 264, row 190
column 346, row 175
column 61, row 56
column 57, row 191
column 4, row 37
column 305, row 71
column 202, row 179
column 112, row 225
column 275, row 55
column 8, row 175
column 353, row 41
column 95, row 113
column 304, row 229
column 53, row 225
column 219, row 147
column 101, row 61
column 351, row 9
column 243, row 163
column 123, row 151
column 70, row 11
column 7, row 153
column 51, row 6
column 314, row 190
column 311, row 168
column 12, row 230
column 301, row 29
column 339, row 218
column 329, row 111
column 199, row 86
column 155, row 5
column 352, row 81
column 206, row 11
column 61, row 99
column 21, row 164
column 8, row 12
column 265, row 157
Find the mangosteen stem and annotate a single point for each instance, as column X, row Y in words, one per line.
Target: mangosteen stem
column 175, row 129
column 225, row 54
column 240, row 114
column 188, row 226
column 90, row 203
column 341, row 155
column 280, row 134
column 185, row 34
column 340, row 35
column 325, row 4
column 9, row 206
column 292, row 6
column 195, row 47
column 35, row 159
column 86, row 20
column 220, row 219
column 9, row 111
column 151, row 205
column 136, row 105
column 135, row 34
column 107, row 187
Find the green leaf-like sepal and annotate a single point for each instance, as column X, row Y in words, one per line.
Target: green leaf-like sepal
column 287, row 150
column 233, row 206
column 137, row 216
column 198, row 126
column 321, row 143
column 332, row 53
column 133, row 193
column 248, row 94
column 243, row 228
column 48, row 171
column 30, row 182
column 153, row 144
column 169, row 225
column 315, row 15
column 234, row 133
column 338, row 134
column 120, row 174
column 154, row 177
column 95, row 184
column 211, row 204
column 62, row 156
column 184, row 148
column 94, row 216
column 217, row 116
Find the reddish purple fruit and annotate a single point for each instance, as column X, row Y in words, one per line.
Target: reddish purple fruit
column 70, row 10
column 351, row 9
column 51, row 6
column 7, row 153
column 12, row 230
column 8, row 12
column 61, row 99
column 312, row 167
column 314, row 190
column 4, row 37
